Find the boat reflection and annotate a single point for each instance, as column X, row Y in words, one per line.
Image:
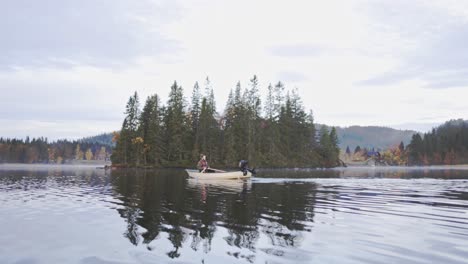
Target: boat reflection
column 235, row 186
column 192, row 213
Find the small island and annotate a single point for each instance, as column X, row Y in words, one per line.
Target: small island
column 275, row 132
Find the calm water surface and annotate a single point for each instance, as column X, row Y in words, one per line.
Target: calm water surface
column 88, row 215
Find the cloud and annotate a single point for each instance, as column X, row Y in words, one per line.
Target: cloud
column 431, row 41
column 61, row 129
column 298, row 50
column 93, row 32
column 49, row 94
column 77, row 62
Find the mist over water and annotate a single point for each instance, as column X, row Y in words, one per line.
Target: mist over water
column 358, row 215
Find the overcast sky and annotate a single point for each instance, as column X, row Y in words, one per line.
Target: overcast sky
column 68, row 67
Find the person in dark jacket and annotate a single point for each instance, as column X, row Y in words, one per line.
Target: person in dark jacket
column 243, row 166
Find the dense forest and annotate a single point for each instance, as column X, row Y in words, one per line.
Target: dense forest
column 39, row 150
column 446, row 144
column 276, row 133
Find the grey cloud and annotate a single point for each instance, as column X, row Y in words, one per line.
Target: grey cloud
column 440, row 57
column 387, row 78
column 51, row 101
column 298, row 50
column 95, row 32
column 453, row 78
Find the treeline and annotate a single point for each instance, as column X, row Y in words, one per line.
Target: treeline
column 276, row 133
column 447, row 144
column 39, row 150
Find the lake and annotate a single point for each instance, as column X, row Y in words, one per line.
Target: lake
column 60, row 214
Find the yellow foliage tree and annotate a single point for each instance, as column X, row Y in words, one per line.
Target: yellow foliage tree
column 89, row 154
column 78, row 153
column 115, row 136
column 101, row 155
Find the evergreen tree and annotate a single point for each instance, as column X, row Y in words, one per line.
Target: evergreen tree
column 335, row 150
column 357, row 149
column 195, row 110
column 401, row 147
column 125, row 151
column 270, row 134
column 253, row 111
column 325, row 147
column 228, row 140
column 235, row 128
column 175, row 125
column 151, row 131
column 416, row 149
column 269, row 103
column 208, row 132
column 286, row 127
column 133, row 113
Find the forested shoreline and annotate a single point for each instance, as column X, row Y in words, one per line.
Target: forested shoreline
column 274, row 132
column 444, row 145
column 40, row 150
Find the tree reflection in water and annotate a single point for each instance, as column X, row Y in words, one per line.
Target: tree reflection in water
column 165, row 204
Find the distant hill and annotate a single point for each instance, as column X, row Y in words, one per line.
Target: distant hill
column 104, row 139
column 372, row 137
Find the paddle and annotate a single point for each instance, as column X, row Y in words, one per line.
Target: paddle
column 216, row 170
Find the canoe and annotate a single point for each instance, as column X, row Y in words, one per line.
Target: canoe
column 218, row 175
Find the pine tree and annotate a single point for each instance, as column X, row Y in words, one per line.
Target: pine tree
column 133, row 121
column 270, row 133
column 228, row 141
column 416, row 149
column 234, row 131
column 133, row 113
column 335, row 149
column 253, row 111
column 125, row 151
column 195, row 110
column 357, row 150
column 175, row 125
column 287, row 131
column 326, row 147
column 401, row 147
column 269, row 103
column 151, row 131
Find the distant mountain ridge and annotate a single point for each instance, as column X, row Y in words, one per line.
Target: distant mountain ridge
column 103, row 139
column 371, row 137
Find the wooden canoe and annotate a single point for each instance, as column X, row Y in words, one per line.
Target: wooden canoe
column 229, row 175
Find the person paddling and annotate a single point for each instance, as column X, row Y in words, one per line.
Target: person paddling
column 203, row 166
